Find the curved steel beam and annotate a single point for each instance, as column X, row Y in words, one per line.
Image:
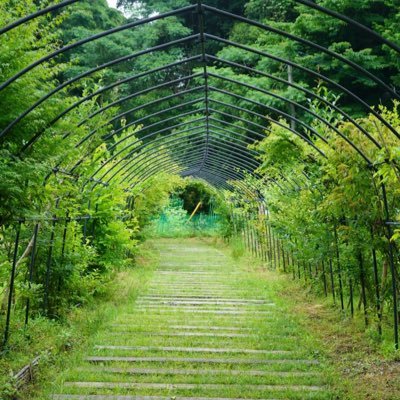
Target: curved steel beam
column 90, row 39
column 166, row 168
column 101, row 90
column 36, row 14
column 280, row 124
column 309, row 72
column 129, row 97
column 357, row 149
column 139, row 121
column 350, row 21
column 231, row 160
column 173, row 138
column 306, row 42
column 234, row 138
column 88, row 73
column 192, row 153
column 139, row 161
column 137, row 141
column 223, row 176
column 261, row 90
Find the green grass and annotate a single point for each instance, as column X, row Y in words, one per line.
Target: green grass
column 227, row 375
column 61, row 344
column 298, row 324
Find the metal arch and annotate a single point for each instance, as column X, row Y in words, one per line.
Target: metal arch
column 309, row 72
column 223, row 177
column 239, row 155
column 178, row 133
column 291, row 84
column 197, row 129
column 226, row 174
column 257, row 103
column 228, row 168
column 174, row 169
column 307, row 111
column 226, row 78
column 144, row 138
column 194, row 152
column 138, row 140
column 331, row 126
column 269, row 94
column 139, row 121
column 261, row 90
column 151, row 103
column 36, row 14
column 232, row 94
column 210, row 99
column 307, row 3
column 90, row 72
column 238, row 161
column 131, row 96
column 176, row 137
column 200, row 23
column 141, row 139
column 214, row 10
column 184, row 114
column 92, row 38
column 350, row 21
column 221, row 184
column 306, row 42
column 213, row 110
column 273, row 121
column 280, row 124
column 99, row 91
column 230, row 63
column 282, row 113
column 238, row 82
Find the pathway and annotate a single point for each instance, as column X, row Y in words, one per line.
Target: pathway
column 202, row 329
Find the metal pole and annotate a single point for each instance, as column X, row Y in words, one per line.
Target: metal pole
column 363, row 289
column 31, row 268
column 392, row 268
column 48, row 267
column 376, row 284
column 339, row 268
column 11, row 287
column 324, row 279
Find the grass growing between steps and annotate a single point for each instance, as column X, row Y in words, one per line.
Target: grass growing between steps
column 148, row 349
column 206, row 325
column 362, row 366
column 61, row 347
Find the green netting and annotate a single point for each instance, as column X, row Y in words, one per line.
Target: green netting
column 174, row 222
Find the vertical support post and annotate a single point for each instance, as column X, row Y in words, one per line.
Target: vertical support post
column 293, row 266
column 339, row 268
column 332, row 280
column 278, row 251
column 376, row 284
column 48, row 266
column 363, row 288
column 292, row 107
column 283, row 259
column 11, row 287
column 31, row 268
column 324, row 278
column 392, row 268
column 351, row 297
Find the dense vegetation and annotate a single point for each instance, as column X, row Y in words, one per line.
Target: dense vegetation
column 77, row 217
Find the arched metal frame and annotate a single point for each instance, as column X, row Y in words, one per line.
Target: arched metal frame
column 212, row 151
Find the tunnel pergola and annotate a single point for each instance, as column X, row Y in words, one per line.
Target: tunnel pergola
column 198, row 137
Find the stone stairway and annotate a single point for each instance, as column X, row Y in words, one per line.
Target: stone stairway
column 203, row 329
